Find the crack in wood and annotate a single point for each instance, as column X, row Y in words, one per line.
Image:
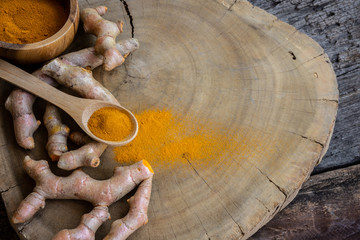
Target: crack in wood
column 324, row 100
column 329, row 100
column 23, row 226
column 293, row 55
column 237, row 224
column 136, row 77
column 312, row 140
column 231, row 5
column 126, row 6
column 207, row 235
column 188, row 207
column 9, row 188
column 262, row 203
column 271, row 181
column 197, row 173
column 307, row 138
column 240, row 229
column 307, row 61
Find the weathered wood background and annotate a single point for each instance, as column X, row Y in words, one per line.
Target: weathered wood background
column 328, row 206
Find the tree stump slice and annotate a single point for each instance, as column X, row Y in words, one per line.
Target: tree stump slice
column 220, row 62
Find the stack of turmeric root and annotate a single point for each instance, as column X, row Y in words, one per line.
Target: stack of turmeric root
column 74, row 70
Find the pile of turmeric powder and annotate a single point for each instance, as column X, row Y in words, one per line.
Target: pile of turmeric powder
column 166, row 140
column 24, row 21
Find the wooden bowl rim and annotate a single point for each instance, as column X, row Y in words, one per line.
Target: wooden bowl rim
column 73, row 16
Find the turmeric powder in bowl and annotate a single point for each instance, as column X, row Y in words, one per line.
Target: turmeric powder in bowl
column 110, row 124
column 24, row 21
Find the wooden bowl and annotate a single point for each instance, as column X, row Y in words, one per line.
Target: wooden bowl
column 47, row 49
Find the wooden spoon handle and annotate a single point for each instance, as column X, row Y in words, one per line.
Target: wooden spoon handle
column 32, row 84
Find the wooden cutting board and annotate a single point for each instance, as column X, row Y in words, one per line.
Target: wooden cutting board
column 223, row 62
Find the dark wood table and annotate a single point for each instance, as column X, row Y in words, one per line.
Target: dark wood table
column 328, row 205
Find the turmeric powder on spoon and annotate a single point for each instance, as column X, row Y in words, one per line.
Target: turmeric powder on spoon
column 110, row 124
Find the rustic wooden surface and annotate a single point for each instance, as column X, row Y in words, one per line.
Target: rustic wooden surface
column 335, row 25
column 339, row 36
column 327, row 207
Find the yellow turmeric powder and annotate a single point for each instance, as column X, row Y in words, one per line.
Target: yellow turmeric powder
column 24, row 21
column 164, row 140
column 168, row 141
column 110, row 124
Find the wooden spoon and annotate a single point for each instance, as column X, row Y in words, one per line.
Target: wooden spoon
column 80, row 109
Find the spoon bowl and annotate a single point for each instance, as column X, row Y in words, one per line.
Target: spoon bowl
column 80, row 109
column 96, row 105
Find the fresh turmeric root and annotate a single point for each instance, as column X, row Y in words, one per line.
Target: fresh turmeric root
column 19, row 104
column 121, row 228
column 106, row 32
column 87, row 155
column 89, row 58
column 57, row 132
column 79, row 186
column 137, row 215
column 78, row 79
column 88, row 226
column 67, row 71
